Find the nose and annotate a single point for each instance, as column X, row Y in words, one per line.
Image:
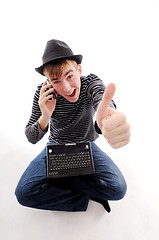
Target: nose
column 66, row 87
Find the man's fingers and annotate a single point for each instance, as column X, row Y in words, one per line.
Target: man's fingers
column 116, row 130
column 123, row 127
column 44, row 87
column 114, row 121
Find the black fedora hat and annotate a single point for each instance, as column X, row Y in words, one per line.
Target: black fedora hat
column 56, row 50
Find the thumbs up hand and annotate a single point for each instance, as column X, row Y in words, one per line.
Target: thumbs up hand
column 113, row 124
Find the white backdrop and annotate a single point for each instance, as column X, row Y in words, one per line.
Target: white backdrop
column 120, row 43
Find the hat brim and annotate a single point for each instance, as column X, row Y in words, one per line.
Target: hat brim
column 77, row 58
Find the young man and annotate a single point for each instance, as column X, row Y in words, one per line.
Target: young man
column 70, row 116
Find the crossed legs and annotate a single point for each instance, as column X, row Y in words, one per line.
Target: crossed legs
column 70, row 194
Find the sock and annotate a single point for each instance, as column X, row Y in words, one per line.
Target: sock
column 103, row 202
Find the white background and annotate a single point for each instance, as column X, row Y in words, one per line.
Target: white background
column 120, row 43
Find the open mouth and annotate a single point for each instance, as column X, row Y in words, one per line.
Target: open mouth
column 72, row 94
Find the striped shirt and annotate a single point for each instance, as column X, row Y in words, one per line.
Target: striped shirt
column 70, row 122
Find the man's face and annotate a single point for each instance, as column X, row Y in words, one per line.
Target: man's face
column 68, row 84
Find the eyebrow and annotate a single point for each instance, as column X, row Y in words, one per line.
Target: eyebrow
column 68, row 72
column 54, row 79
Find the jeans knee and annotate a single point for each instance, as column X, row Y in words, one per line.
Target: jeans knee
column 120, row 189
column 115, row 190
column 28, row 194
column 19, row 196
column 24, row 194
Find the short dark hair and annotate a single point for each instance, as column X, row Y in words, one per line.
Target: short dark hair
column 55, row 68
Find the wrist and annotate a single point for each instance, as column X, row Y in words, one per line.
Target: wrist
column 43, row 122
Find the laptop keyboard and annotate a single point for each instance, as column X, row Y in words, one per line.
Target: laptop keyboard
column 66, row 160
column 71, row 161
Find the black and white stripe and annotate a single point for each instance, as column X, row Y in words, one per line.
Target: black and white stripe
column 70, row 122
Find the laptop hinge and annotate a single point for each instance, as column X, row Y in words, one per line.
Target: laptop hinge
column 69, row 144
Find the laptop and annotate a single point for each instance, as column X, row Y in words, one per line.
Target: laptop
column 69, row 160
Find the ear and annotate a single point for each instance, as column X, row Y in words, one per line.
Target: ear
column 80, row 70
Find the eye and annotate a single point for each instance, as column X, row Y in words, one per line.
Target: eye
column 55, row 82
column 70, row 76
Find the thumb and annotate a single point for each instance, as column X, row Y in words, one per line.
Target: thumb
column 108, row 95
column 104, row 104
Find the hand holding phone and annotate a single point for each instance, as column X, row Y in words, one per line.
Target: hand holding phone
column 46, row 104
column 52, row 93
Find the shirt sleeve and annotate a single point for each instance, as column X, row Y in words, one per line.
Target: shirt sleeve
column 95, row 90
column 33, row 131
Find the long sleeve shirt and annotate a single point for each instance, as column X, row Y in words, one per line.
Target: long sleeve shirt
column 70, row 121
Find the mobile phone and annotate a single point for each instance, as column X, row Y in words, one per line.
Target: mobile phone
column 53, row 93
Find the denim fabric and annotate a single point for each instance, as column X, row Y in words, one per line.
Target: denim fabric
column 73, row 193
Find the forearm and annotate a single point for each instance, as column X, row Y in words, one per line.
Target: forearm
column 34, row 133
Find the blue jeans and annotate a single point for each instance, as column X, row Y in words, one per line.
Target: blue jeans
column 72, row 193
